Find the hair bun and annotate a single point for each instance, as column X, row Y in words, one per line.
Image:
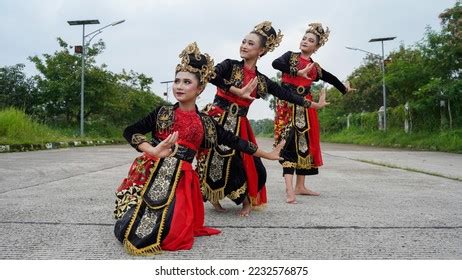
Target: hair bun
column 273, row 39
column 192, row 60
column 317, row 29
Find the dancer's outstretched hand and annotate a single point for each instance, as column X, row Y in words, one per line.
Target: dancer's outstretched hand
column 275, row 153
column 322, row 100
column 247, row 90
column 348, row 87
column 304, row 72
column 167, row 147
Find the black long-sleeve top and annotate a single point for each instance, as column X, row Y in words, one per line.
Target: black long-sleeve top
column 164, row 118
column 230, row 73
column 287, row 63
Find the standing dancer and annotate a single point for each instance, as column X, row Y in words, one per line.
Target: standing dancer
column 225, row 172
column 299, row 125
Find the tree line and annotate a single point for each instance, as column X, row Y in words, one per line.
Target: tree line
column 423, row 84
column 53, row 96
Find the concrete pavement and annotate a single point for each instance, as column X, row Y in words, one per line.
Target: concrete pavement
column 58, row 204
column 447, row 165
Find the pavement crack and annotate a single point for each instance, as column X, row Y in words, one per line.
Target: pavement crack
column 339, row 227
column 56, row 223
column 250, row 227
column 398, row 167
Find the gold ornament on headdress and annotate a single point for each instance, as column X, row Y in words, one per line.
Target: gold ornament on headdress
column 316, row 28
column 272, row 40
column 207, row 70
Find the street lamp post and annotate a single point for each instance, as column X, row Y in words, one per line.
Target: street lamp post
column 384, row 91
column 382, row 65
column 166, row 91
column 82, row 77
column 361, row 50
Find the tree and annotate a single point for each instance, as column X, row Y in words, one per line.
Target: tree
column 59, row 82
column 135, row 80
column 17, row 90
column 262, row 127
column 443, row 54
column 407, row 73
column 451, row 19
column 367, row 79
column 109, row 97
column 427, row 75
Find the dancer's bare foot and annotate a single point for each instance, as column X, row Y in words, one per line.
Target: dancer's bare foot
column 218, row 207
column 305, row 191
column 246, row 208
column 290, row 196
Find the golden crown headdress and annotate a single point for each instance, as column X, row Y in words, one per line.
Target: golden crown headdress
column 193, row 61
column 273, row 39
column 317, row 29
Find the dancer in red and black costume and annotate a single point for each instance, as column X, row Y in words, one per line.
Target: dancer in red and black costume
column 225, row 172
column 159, row 205
column 299, row 125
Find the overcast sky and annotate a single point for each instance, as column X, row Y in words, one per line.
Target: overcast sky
column 156, row 31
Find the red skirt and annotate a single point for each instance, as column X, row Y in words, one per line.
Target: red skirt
column 188, row 214
column 256, row 193
column 314, row 134
column 185, row 222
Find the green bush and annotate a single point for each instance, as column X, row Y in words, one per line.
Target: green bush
column 395, row 117
column 447, row 141
column 18, row 128
column 102, row 129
